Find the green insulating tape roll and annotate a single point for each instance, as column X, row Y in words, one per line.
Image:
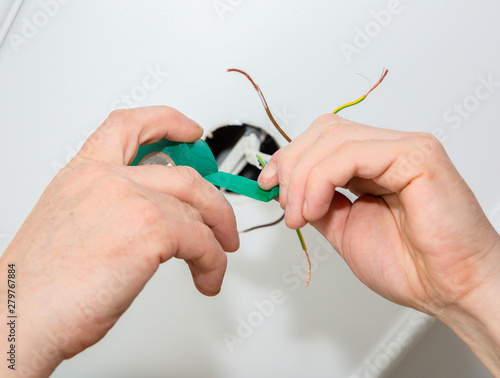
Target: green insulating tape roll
column 199, row 156
column 196, row 155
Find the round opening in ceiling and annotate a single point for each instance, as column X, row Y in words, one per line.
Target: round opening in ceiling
column 235, row 148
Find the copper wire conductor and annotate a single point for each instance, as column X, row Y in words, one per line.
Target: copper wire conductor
column 366, row 77
column 264, row 102
column 362, row 98
column 384, row 74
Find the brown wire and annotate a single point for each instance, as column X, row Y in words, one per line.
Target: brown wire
column 264, row 102
column 264, row 225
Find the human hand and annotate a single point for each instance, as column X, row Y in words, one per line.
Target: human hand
column 416, row 235
column 101, row 229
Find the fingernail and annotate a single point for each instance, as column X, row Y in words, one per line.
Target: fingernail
column 196, row 124
column 268, row 173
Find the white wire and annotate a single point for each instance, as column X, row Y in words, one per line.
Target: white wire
column 9, row 19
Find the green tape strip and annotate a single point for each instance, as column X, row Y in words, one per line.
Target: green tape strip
column 199, row 156
column 243, row 186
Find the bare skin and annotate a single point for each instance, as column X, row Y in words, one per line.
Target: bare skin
column 100, row 231
column 416, row 235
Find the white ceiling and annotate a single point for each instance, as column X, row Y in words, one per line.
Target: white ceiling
column 60, row 79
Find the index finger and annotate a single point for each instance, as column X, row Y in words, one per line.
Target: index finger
column 185, row 184
column 118, row 138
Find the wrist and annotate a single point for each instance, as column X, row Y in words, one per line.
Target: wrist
column 476, row 318
column 22, row 329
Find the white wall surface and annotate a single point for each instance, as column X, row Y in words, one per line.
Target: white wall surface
column 440, row 353
column 60, row 79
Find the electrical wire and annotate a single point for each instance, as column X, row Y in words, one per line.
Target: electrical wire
column 352, row 103
column 264, row 102
column 264, row 225
column 263, row 163
column 299, row 233
column 366, row 77
column 303, row 243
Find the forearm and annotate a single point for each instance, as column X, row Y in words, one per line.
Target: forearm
column 477, row 320
column 30, row 354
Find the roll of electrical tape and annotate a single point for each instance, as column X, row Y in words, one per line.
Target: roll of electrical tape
column 199, row 156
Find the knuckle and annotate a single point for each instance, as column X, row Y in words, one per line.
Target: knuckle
column 326, row 120
column 421, row 156
column 117, row 186
column 224, row 206
column 119, row 115
column 275, row 156
column 190, row 175
column 116, row 119
column 315, row 176
column 282, row 158
column 144, row 214
column 212, row 254
column 346, row 145
column 336, row 128
column 95, row 170
column 175, row 116
column 114, row 189
column 87, row 172
column 200, row 231
column 205, row 232
column 298, row 176
column 284, row 167
column 107, row 182
column 428, row 141
column 426, row 148
column 329, row 121
column 191, row 212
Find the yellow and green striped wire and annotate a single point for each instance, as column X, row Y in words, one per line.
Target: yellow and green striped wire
column 263, row 163
column 299, row 232
column 352, row 103
column 349, row 104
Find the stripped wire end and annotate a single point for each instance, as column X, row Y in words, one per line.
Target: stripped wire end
column 304, row 247
column 263, row 163
column 384, row 74
column 308, row 268
column 247, row 76
column 382, row 77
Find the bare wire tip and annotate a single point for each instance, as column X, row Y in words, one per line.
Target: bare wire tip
column 248, row 77
column 382, row 77
column 308, row 268
column 367, row 78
